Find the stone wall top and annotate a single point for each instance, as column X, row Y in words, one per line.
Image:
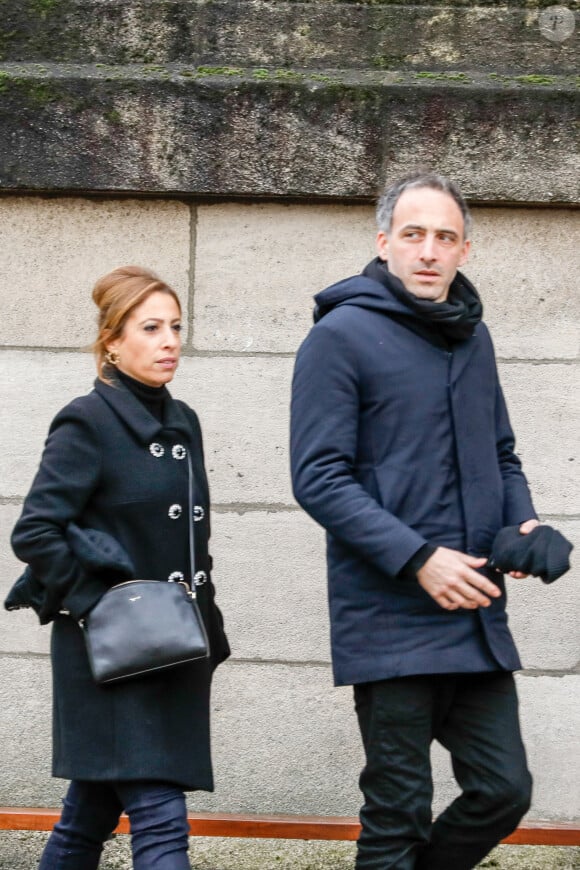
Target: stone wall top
column 311, row 34
column 272, row 134
column 316, row 99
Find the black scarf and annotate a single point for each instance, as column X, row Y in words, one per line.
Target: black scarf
column 455, row 318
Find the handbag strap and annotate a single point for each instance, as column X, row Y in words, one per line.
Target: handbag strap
column 191, row 532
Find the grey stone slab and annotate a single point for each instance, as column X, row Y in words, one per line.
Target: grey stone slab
column 20, row 631
column 550, row 713
column 268, row 562
column 544, row 406
column 297, row 749
column 34, row 387
column 271, row 578
column 262, row 132
column 25, row 711
column 285, row 253
column 270, row 573
column 285, row 741
column 244, row 410
column 53, row 251
column 432, row 35
column 243, row 407
column 279, row 256
column 544, row 618
column 525, row 264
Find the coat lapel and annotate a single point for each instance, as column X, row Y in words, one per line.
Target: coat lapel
column 136, row 417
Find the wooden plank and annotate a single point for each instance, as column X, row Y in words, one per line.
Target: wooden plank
column 285, row 827
column 276, row 827
column 27, row 818
column 545, row 834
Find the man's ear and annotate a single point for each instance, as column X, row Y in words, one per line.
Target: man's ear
column 465, row 252
column 382, row 245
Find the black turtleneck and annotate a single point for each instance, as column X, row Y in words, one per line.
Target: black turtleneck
column 153, row 398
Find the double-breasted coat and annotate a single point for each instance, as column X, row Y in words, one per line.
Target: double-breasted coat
column 108, row 464
column 396, row 443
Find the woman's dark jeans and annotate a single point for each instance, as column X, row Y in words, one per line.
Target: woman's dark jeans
column 159, row 827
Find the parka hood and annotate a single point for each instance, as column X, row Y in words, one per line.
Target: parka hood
column 455, row 318
column 359, row 291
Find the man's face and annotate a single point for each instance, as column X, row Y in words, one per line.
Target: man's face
column 425, row 245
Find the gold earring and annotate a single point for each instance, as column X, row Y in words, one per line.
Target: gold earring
column 112, row 357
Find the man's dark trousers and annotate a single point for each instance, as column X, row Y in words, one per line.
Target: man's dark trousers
column 475, row 717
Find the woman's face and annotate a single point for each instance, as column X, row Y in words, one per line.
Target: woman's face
column 150, row 344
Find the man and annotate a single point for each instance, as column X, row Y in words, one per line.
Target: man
column 402, row 449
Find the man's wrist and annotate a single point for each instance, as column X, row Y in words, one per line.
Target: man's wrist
column 416, row 562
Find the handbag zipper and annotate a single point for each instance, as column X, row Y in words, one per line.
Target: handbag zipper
column 188, row 590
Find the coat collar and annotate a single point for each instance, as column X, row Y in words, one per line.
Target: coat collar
column 135, row 415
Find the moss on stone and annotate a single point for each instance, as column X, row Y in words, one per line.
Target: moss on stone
column 288, row 74
column 45, row 7
column 535, row 80
column 6, row 36
column 34, row 92
column 113, row 116
column 220, row 70
column 321, row 77
column 443, row 76
column 387, row 61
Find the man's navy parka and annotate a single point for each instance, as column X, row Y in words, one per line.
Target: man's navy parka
column 381, row 420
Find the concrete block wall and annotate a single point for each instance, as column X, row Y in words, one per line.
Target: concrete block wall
column 284, row 739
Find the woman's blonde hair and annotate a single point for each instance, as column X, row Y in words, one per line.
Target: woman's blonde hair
column 116, row 294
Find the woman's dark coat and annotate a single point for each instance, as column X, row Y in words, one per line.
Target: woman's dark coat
column 109, row 465
column 381, row 418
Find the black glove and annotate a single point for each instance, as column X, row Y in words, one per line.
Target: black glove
column 543, row 552
column 28, row 591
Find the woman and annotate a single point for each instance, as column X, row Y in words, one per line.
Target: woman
column 114, row 464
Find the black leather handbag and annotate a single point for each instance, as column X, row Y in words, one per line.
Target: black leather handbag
column 144, row 626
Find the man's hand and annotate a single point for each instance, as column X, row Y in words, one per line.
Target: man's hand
column 450, row 579
column 525, row 529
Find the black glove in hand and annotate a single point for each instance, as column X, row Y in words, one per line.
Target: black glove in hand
column 543, row 552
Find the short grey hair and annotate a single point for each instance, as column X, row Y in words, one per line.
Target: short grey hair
column 391, row 195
